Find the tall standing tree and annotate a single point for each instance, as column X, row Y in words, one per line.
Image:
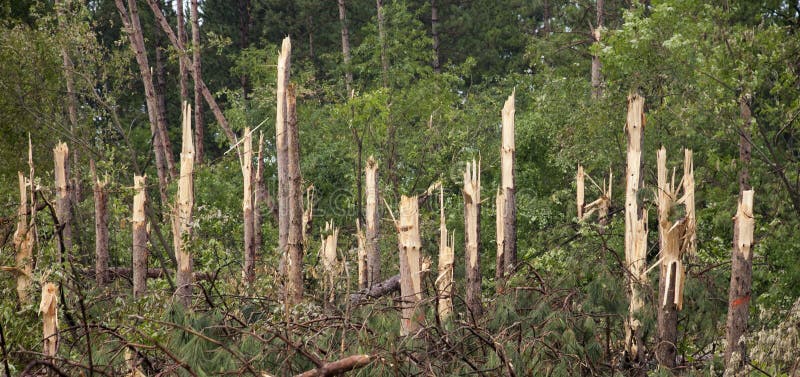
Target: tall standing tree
column 198, row 85
column 348, row 74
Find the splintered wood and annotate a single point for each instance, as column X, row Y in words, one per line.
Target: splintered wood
column 48, row 309
column 282, row 149
column 183, row 211
column 61, row 167
column 580, row 193
column 362, row 257
column 499, row 277
column 328, row 244
column 472, row 215
column 373, row 221
column 508, row 187
column 444, row 281
column 308, row 212
column 635, row 226
column 23, row 243
column 249, row 271
column 600, row 205
column 139, row 237
column 410, row 264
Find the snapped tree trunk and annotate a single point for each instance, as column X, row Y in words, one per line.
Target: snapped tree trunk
column 249, row 272
column 182, row 219
column 130, row 19
column 48, row 309
column 282, row 151
column 373, row 223
column 328, row 244
column 63, row 196
column 509, row 188
column 348, row 74
column 635, row 228
column 100, row 228
column 294, row 291
column 410, row 265
column 199, row 127
column 500, row 260
column 362, row 257
column 23, row 242
column 444, row 281
column 597, row 79
column 472, row 240
column 139, row 237
column 741, row 259
column 580, row 191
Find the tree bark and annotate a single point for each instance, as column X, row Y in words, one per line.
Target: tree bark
column 444, row 281
column 348, row 74
column 739, row 293
column 373, row 223
column 185, row 206
column 101, row 228
column 130, row 19
column 509, row 187
column 249, row 272
column 472, row 240
column 139, row 238
column 63, row 196
column 635, row 227
column 410, row 265
column 597, row 79
column 382, row 41
column 23, row 242
column 282, row 151
column 198, row 85
column 294, row 292
column 209, row 98
column 182, row 40
column 669, row 240
column 435, row 34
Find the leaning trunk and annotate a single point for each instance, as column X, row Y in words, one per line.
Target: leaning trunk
column 472, row 219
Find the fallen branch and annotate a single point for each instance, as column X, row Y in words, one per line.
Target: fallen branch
column 339, row 366
column 378, row 290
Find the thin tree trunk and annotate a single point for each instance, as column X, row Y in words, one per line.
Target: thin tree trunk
column 435, row 34
column 130, row 19
column 444, row 281
column 183, row 215
column 635, row 227
column 294, row 292
column 597, row 79
column 741, row 260
column 308, row 214
column 198, row 85
column 500, row 260
column 382, row 41
column 363, row 281
column 547, row 17
column 348, row 74
column 472, row 240
column 182, row 40
column 508, row 186
column 63, row 205
column 329, row 258
column 410, row 265
column 249, row 272
column 260, row 196
column 161, row 89
column 23, row 243
column 244, row 41
column 188, row 62
column 580, row 192
column 282, row 151
column 100, row 227
column 373, row 223
column 139, row 237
